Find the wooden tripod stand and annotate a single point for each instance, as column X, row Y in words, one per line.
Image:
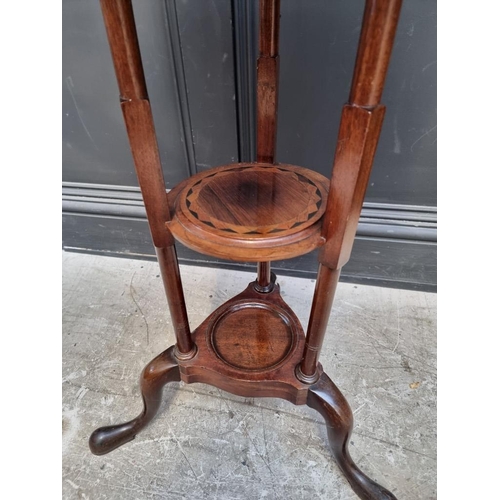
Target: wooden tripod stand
column 254, row 345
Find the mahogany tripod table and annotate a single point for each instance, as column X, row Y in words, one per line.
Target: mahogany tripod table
column 254, row 345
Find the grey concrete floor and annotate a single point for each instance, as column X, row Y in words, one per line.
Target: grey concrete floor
column 380, row 350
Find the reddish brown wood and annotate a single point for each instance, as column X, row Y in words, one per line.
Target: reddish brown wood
column 250, row 346
column 267, row 99
column 269, row 35
column 167, row 259
column 264, row 275
column 243, row 211
column 142, row 138
column 249, row 250
column 253, row 200
column 324, row 292
column 267, row 80
column 122, row 36
column 359, row 131
column 253, row 336
column 357, row 141
column 325, row 397
column 374, row 51
column 159, row 372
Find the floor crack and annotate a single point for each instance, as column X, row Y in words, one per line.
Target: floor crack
column 132, row 290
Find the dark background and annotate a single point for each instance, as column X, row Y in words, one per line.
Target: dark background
column 199, row 59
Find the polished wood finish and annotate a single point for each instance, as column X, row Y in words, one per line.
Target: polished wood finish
column 380, row 21
column 359, row 132
column 120, row 27
column 324, row 292
column 253, row 335
column 254, row 345
column 159, row 372
column 264, row 275
column 122, row 36
column 237, row 358
column 269, row 20
column 358, row 136
column 267, row 98
column 267, row 80
column 325, row 397
column 170, row 274
column 243, row 211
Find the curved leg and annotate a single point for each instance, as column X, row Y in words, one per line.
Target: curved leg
column 325, row 397
column 162, row 370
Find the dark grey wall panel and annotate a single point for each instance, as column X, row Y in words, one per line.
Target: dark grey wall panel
column 206, row 35
column 95, row 146
column 157, row 44
column 318, row 48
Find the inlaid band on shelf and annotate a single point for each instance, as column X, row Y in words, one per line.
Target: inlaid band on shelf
column 254, row 200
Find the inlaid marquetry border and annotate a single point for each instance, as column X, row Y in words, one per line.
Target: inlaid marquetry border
column 185, row 202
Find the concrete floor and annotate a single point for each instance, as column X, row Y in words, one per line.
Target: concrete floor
column 380, row 350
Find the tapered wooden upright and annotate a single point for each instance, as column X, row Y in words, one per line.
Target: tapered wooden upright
column 360, row 127
column 122, row 37
column 267, row 98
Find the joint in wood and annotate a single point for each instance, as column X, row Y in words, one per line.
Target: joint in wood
column 306, row 379
column 267, row 288
column 185, row 356
column 369, row 108
column 124, row 99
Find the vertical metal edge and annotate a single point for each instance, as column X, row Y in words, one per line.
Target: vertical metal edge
column 180, row 82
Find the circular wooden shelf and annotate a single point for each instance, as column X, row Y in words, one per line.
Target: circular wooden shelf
column 250, row 211
column 253, row 336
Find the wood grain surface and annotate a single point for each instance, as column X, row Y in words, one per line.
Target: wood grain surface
column 253, row 336
column 250, row 211
column 267, row 80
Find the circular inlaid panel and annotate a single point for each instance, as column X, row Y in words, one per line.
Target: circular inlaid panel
column 253, row 336
column 254, row 200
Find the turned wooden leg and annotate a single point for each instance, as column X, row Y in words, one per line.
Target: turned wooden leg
column 264, row 281
column 170, row 274
column 325, row 397
column 326, row 284
column 162, row 370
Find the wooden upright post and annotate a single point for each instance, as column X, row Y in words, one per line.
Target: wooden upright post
column 267, row 99
column 360, row 127
column 122, row 36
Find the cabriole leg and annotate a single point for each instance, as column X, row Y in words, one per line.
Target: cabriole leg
column 325, row 397
column 159, row 372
